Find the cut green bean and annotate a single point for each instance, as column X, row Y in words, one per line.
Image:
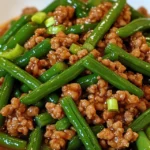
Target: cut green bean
column 39, row 17
column 17, row 93
column 87, row 80
column 54, row 84
column 19, row 74
column 74, row 48
column 63, row 124
column 80, row 28
column 21, row 36
column 110, row 76
column 128, row 60
column 147, row 131
column 35, row 139
column 133, row 27
column 5, row 92
column 84, row 132
column 2, row 72
column 11, row 142
column 38, row 51
column 141, row 122
column 55, row 29
column 93, row 3
column 104, row 25
column 44, row 119
column 53, row 98
column 50, row 21
column 142, row 142
column 14, row 28
column 112, row 104
column 13, row 53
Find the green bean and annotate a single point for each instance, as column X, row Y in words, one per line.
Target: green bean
column 11, row 142
column 142, row 142
column 141, row 122
column 84, row 132
column 87, row 80
column 2, row 72
column 53, row 98
column 53, row 84
column 76, row 143
column 38, row 51
column 17, row 93
column 62, row 124
column 128, row 60
column 21, row 36
column 35, row 139
column 19, row 74
column 81, row 9
column 147, row 131
column 80, row 28
column 14, row 28
column 104, row 25
column 133, row 27
column 5, row 92
column 93, row 3
column 47, row 75
column 110, row 76
column 44, row 119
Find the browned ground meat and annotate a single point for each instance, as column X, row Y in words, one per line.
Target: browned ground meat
column 139, row 47
column 29, row 10
column 57, row 140
column 63, row 15
column 38, row 37
column 96, row 13
column 144, row 11
column 55, row 110
column 19, row 118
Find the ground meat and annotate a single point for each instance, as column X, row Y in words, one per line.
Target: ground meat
column 4, row 27
column 73, row 59
column 57, row 140
column 144, row 11
column 96, row 13
column 55, row 110
column 139, row 46
column 74, row 90
column 124, row 18
column 61, row 39
column 19, row 118
column 116, row 137
column 37, row 67
column 146, row 89
column 39, row 36
column 63, row 15
column 29, row 10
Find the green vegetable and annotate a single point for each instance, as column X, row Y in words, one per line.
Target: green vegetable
column 93, row 3
column 141, row 122
column 2, row 72
column 14, row 28
column 112, row 104
column 84, row 132
column 11, row 142
column 17, row 93
column 38, row 51
column 19, row 74
column 35, row 139
column 53, row 98
column 104, row 25
column 45, row 147
column 133, row 27
column 80, row 28
column 49, row 22
column 62, row 124
column 142, row 142
column 53, row 84
column 87, row 80
column 13, row 53
column 147, row 131
column 110, row 76
column 128, row 60
column 55, row 29
column 5, row 92
column 74, row 48
column 44, row 119
column 20, row 37
column 39, row 17
column 81, row 9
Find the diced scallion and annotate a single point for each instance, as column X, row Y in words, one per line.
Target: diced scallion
column 112, row 104
column 39, row 17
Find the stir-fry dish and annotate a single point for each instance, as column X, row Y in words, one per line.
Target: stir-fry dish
column 76, row 75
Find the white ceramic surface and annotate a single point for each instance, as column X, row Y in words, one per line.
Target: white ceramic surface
column 12, row 8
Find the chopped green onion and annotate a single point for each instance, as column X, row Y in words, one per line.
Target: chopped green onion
column 13, row 53
column 112, row 104
column 49, row 22
column 55, row 29
column 39, row 17
column 74, row 48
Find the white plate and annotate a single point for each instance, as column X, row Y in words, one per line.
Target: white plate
column 12, row 8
